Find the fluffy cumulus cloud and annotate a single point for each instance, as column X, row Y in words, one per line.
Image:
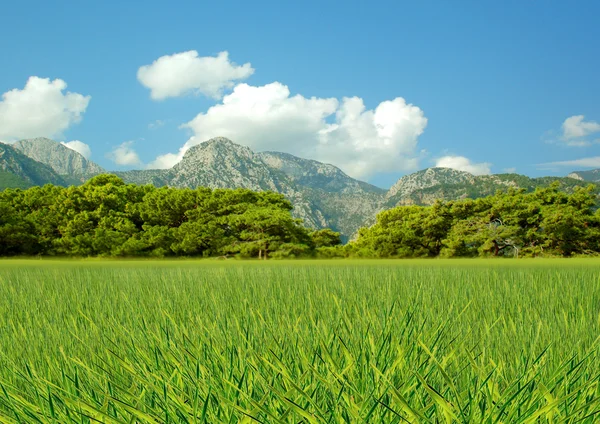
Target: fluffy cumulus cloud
column 41, row 109
column 184, row 73
column 576, row 127
column 79, row 146
column 575, row 132
column 125, row 154
column 462, row 163
column 345, row 133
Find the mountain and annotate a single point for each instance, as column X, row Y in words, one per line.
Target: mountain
column 341, row 200
column 220, row 163
column 322, row 194
column 64, row 161
column 426, row 186
column 592, row 176
column 20, row 171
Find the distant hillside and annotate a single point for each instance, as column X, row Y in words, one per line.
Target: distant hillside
column 426, row 186
column 20, row 171
column 591, row 176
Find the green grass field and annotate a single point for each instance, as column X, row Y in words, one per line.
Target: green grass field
column 308, row 341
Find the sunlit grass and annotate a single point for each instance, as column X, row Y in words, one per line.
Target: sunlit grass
column 305, row 341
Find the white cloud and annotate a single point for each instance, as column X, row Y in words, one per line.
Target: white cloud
column 124, row 154
column 359, row 141
column 591, row 162
column 79, row 146
column 462, row 163
column 184, row 73
column 575, row 132
column 575, row 127
column 165, row 161
column 40, row 109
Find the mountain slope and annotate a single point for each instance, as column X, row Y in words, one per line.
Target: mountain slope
column 61, row 159
column 592, row 176
column 345, row 203
column 220, row 163
column 20, row 171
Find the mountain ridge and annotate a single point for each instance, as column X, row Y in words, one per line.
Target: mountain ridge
column 322, row 194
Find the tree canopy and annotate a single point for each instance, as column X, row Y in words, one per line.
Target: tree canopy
column 512, row 223
column 106, row 217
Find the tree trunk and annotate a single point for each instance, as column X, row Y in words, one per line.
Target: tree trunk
column 259, row 254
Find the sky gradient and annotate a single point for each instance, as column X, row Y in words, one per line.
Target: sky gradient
column 379, row 90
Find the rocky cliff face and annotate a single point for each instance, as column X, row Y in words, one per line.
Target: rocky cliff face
column 61, row 159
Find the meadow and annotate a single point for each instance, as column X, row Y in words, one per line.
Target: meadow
column 388, row 341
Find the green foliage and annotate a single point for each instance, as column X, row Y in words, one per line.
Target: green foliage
column 294, row 342
column 325, row 238
column 10, row 180
column 106, row 217
column 546, row 222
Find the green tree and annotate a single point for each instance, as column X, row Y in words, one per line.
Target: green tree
column 325, row 237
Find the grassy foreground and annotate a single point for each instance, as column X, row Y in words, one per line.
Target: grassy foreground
column 315, row 342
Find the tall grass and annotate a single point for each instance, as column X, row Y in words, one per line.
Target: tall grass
column 314, row 342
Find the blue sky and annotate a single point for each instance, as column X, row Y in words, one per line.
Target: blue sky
column 476, row 85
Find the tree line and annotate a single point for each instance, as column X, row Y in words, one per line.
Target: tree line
column 546, row 222
column 106, row 217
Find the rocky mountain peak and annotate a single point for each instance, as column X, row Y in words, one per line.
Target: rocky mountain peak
column 63, row 160
column 215, row 150
column 220, row 141
column 219, row 162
